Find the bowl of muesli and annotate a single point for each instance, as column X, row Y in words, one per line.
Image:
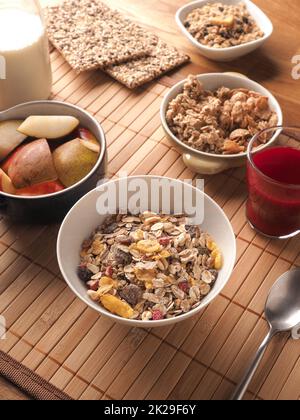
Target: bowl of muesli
column 211, row 119
column 224, row 30
column 145, row 268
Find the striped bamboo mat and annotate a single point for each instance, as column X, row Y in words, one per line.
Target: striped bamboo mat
column 88, row 357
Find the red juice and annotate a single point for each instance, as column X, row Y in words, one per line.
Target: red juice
column 273, row 206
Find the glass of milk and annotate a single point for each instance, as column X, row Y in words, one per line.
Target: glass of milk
column 25, row 70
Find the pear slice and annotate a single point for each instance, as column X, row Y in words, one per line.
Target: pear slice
column 32, row 164
column 73, row 161
column 49, row 127
column 10, row 138
column 6, row 184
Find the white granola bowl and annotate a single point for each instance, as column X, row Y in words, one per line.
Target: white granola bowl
column 84, row 218
column 230, row 53
column 209, row 163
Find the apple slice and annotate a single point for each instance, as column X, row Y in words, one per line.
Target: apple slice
column 48, row 126
column 41, row 189
column 32, row 164
column 6, row 184
column 73, row 162
column 10, row 138
column 89, row 140
column 85, row 134
column 91, row 146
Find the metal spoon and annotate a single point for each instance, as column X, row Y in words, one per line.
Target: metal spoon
column 283, row 314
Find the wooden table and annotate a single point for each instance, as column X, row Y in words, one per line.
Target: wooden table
column 203, row 358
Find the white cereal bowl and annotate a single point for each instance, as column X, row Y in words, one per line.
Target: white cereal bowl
column 209, row 163
column 84, row 218
column 230, row 53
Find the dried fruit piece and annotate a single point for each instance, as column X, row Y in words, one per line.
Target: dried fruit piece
column 164, row 241
column 184, row 286
column 223, row 21
column 93, row 285
column 157, row 315
column 83, row 273
column 109, row 271
column 132, row 294
column 122, row 258
column 117, row 306
column 218, row 261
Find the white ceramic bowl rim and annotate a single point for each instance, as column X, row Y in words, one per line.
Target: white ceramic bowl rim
column 100, row 159
column 167, row 99
column 148, row 324
column 234, row 47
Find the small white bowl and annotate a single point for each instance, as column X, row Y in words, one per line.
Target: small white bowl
column 231, row 53
column 83, row 219
column 209, row 163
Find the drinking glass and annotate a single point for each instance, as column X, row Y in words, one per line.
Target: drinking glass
column 25, row 71
column 273, row 177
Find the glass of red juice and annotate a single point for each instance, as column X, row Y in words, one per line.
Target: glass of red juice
column 273, row 176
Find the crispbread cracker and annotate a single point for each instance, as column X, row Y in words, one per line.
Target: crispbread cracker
column 90, row 35
column 161, row 60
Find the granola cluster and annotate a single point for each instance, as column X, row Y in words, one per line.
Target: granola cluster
column 220, row 25
column 220, row 122
column 149, row 267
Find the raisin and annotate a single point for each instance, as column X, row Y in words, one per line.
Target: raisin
column 83, row 273
column 245, row 20
column 122, row 258
column 215, row 273
column 131, row 294
column 108, row 228
column 221, row 9
column 125, row 240
column 204, row 251
column 187, row 24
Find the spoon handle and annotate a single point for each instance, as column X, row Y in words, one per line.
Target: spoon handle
column 245, row 382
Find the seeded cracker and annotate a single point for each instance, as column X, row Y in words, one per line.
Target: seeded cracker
column 161, row 60
column 90, row 35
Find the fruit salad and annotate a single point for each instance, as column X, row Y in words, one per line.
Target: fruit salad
column 45, row 154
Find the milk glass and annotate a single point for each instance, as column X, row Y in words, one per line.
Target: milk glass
column 25, row 71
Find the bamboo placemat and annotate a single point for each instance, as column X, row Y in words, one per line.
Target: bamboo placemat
column 88, row 357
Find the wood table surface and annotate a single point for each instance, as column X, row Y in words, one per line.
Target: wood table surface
column 270, row 66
